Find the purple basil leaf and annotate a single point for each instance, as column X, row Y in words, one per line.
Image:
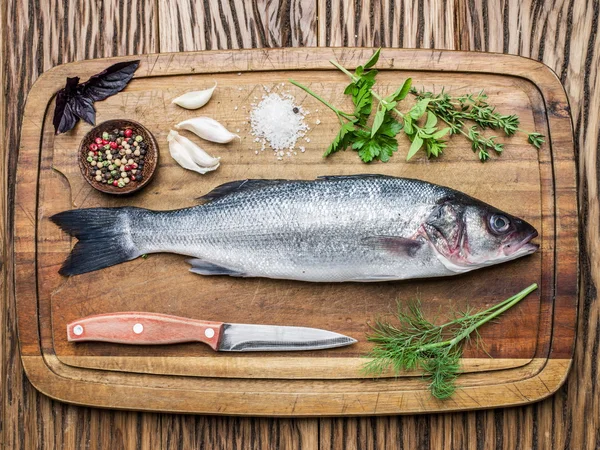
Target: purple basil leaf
column 110, row 81
column 83, row 108
column 64, row 119
column 76, row 101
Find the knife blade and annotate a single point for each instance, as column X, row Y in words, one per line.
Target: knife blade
column 143, row 328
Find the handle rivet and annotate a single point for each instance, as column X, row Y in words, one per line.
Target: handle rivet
column 209, row 333
column 138, row 328
column 78, row 330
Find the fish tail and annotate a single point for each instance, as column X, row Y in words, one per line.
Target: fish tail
column 104, row 238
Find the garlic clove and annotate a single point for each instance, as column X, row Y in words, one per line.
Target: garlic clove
column 195, row 99
column 198, row 155
column 180, row 154
column 208, row 129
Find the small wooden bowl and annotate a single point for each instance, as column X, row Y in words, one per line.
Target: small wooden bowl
column 150, row 160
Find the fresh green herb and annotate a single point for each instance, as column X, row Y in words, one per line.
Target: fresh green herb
column 474, row 107
column 535, row 139
column 377, row 141
column 417, row 343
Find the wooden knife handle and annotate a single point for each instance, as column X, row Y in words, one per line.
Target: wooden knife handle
column 144, row 328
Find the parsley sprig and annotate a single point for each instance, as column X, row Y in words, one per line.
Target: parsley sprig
column 376, row 139
column 417, row 343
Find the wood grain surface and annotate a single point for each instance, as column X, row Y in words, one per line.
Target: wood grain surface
column 561, row 33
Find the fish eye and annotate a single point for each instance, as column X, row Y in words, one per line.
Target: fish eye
column 499, row 223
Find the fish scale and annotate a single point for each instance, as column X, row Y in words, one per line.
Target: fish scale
column 308, row 230
column 332, row 229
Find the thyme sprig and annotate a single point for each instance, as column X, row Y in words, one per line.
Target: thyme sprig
column 376, row 139
column 417, row 343
column 476, row 108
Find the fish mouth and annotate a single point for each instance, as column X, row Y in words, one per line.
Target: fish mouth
column 524, row 247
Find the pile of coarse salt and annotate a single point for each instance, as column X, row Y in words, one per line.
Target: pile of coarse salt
column 277, row 122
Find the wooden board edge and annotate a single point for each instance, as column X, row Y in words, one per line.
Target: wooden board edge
column 39, row 85
column 290, row 404
column 285, row 368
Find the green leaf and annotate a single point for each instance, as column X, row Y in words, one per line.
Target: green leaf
column 536, row 139
column 402, row 91
column 373, row 59
column 390, row 127
column 341, row 141
column 414, row 147
column 408, row 125
column 363, row 100
column 390, row 105
column 370, row 75
column 365, row 155
column 359, row 71
column 388, row 147
column 431, row 120
column 378, row 121
column 441, row 133
column 419, row 109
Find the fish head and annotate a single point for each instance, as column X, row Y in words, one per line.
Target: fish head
column 468, row 234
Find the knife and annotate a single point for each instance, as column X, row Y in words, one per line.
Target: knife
column 153, row 329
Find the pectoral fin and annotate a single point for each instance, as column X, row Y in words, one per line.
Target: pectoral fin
column 206, row 268
column 395, row 244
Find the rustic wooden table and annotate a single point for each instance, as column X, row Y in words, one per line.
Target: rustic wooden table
column 38, row 35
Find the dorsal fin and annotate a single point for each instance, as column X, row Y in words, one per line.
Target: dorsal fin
column 359, row 175
column 236, row 186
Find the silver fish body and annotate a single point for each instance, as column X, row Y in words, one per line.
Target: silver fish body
column 332, row 229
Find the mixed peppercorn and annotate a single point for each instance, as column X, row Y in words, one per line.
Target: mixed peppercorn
column 117, row 158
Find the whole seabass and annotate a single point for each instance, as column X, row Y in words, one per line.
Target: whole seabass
column 332, row 229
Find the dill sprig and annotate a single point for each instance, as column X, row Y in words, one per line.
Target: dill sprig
column 417, row 343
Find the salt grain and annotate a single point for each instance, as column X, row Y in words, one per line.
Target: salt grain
column 317, row 121
column 235, row 109
column 274, row 122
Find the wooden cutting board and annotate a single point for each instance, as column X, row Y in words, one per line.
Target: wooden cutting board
column 531, row 348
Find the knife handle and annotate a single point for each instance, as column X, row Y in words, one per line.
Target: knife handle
column 144, row 329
